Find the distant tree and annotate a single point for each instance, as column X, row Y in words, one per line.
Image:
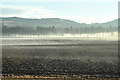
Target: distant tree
column 53, row 27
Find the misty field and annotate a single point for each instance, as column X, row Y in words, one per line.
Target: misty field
column 58, row 56
column 61, row 49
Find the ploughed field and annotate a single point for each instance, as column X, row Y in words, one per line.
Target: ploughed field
column 60, row 56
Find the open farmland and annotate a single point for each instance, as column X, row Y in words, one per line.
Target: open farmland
column 66, row 56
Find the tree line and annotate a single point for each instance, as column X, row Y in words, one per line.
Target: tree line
column 55, row 30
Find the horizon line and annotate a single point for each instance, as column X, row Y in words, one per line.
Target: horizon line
column 60, row 18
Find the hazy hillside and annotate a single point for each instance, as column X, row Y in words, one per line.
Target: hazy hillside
column 113, row 23
column 46, row 22
column 15, row 25
column 15, row 21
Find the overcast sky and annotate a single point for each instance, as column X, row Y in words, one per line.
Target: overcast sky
column 83, row 11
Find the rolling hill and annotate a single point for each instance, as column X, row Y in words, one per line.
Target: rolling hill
column 46, row 22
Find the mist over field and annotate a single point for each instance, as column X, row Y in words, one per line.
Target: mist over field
column 59, row 40
column 59, row 46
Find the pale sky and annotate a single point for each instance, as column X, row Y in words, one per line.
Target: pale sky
column 82, row 11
